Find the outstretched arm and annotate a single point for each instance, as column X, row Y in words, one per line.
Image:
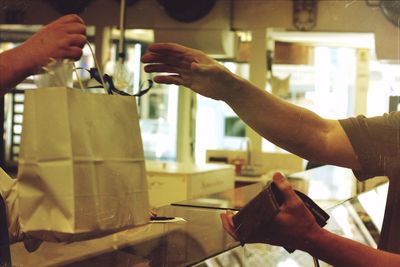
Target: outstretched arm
column 61, row 39
column 293, row 128
column 295, row 227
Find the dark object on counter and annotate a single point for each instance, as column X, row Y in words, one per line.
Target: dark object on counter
column 5, row 256
column 161, row 218
column 218, row 160
column 264, row 207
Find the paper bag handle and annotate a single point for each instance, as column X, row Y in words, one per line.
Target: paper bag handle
column 106, row 80
column 97, row 66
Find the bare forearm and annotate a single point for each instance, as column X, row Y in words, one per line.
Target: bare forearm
column 14, row 68
column 340, row 251
column 296, row 129
column 291, row 127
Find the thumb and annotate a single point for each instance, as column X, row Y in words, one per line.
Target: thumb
column 285, row 187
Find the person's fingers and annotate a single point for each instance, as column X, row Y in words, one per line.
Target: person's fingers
column 285, row 187
column 230, row 214
column 152, row 212
column 70, row 18
column 173, row 60
column 226, row 220
column 148, row 58
column 77, row 40
column 160, row 58
column 75, row 28
column 162, row 68
column 170, row 79
column 168, row 48
column 74, row 53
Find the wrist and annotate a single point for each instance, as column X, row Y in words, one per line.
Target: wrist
column 31, row 66
column 314, row 239
column 15, row 67
column 235, row 89
column 23, row 65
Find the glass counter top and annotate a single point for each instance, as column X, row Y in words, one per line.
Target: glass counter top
column 154, row 244
column 327, row 186
column 233, row 199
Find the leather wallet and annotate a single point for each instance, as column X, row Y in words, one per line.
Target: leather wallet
column 259, row 211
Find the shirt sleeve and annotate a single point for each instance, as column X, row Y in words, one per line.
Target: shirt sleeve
column 376, row 142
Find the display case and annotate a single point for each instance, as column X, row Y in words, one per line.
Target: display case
column 198, row 239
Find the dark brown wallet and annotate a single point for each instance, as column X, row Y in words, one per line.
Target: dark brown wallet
column 255, row 214
column 259, row 211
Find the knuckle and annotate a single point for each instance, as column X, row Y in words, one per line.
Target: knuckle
column 74, row 17
column 286, row 188
column 81, row 28
column 71, row 18
column 82, row 40
column 76, row 54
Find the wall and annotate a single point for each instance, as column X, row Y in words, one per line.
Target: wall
column 332, row 16
column 204, row 34
column 143, row 14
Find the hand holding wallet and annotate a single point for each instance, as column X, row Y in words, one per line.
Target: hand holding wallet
column 259, row 211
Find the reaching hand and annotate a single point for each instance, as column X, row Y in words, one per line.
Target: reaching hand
column 292, row 227
column 64, row 38
column 190, row 68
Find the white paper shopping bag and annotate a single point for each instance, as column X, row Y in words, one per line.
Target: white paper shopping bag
column 81, row 165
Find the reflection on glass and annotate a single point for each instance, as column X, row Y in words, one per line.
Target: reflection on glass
column 373, row 202
column 360, row 218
